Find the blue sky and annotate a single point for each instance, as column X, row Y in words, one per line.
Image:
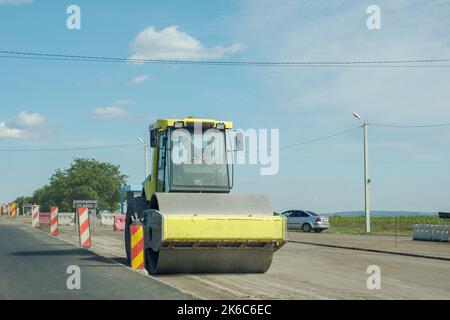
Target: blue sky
column 57, row 104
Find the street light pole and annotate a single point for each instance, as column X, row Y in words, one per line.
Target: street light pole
column 145, row 155
column 365, row 126
column 366, row 176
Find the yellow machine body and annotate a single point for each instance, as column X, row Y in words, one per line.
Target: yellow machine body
column 202, row 230
column 239, row 229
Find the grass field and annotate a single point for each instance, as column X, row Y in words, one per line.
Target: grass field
column 401, row 226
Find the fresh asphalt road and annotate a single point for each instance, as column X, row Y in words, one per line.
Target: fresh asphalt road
column 33, row 265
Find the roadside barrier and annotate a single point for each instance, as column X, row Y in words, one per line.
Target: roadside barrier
column 107, row 219
column 44, row 218
column 440, row 233
column 137, row 246
column 423, row 232
column 35, row 216
column 66, row 219
column 54, row 221
column 84, row 227
column 446, row 235
column 119, row 222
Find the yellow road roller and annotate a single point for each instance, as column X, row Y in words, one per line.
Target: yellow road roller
column 191, row 222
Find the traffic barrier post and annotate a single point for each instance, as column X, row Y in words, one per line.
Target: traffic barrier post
column 35, row 216
column 54, row 221
column 84, row 227
column 137, row 246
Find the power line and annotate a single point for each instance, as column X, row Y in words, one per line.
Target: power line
column 217, row 63
column 319, row 139
column 72, row 148
column 138, row 144
column 85, row 58
column 288, row 146
column 293, row 145
column 351, row 130
column 410, row 126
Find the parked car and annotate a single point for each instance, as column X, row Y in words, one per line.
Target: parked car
column 306, row 220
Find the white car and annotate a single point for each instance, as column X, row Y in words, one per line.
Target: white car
column 306, row 221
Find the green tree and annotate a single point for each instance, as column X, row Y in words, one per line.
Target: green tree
column 21, row 201
column 85, row 179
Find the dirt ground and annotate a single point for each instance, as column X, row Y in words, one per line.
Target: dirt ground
column 309, row 271
column 382, row 243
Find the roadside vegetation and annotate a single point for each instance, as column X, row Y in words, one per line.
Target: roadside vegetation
column 85, row 179
column 401, row 226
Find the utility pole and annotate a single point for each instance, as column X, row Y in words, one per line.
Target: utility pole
column 366, row 176
column 365, row 126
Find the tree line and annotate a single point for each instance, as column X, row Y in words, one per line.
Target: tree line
column 85, row 179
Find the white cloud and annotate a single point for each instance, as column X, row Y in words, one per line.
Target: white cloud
column 170, row 43
column 25, row 119
column 25, row 126
column 8, row 132
column 15, row 2
column 139, row 79
column 115, row 110
column 109, row 112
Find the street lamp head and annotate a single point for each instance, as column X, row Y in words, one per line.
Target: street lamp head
column 357, row 115
column 140, row 140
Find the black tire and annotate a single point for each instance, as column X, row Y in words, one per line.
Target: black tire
column 127, row 238
column 318, row 230
column 306, row 227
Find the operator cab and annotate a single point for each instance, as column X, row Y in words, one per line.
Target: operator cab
column 193, row 155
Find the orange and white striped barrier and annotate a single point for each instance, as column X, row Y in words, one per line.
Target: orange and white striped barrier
column 35, row 216
column 54, row 221
column 137, row 246
column 84, row 227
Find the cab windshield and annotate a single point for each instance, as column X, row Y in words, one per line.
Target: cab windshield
column 199, row 159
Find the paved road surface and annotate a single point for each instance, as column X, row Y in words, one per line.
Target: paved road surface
column 300, row 271
column 33, row 266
